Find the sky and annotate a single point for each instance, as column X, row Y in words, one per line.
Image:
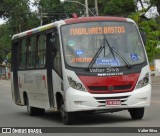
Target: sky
column 152, row 13
column 1, row 21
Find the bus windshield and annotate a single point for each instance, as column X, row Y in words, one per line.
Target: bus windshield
column 119, row 44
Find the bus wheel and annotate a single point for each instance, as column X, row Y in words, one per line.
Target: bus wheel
column 33, row 111
column 137, row 113
column 67, row 117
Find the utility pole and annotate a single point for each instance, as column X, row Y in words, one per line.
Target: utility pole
column 86, row 5
column 96, row 7
column 41, row 16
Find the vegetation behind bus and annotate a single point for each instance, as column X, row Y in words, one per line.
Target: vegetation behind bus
column 20, row 18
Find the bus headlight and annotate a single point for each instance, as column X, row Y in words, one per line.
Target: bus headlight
column 72, row 84
column 79, row 86
column 143, row 82
column 75, row 85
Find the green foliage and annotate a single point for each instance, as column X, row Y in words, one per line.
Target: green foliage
column 153, row 33
column 135, row 16
column 119, row 7
column 152, row 29
column 54, row 10
column 5, row 40
column 19, row 19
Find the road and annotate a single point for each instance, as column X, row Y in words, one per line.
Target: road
column 12, row 115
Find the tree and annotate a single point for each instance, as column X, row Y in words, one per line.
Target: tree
column 18, row 14
column 54, row 10
column 5, row 41
column 158, row 7
column 19, row 18
column 152, row 29
column 116, row 7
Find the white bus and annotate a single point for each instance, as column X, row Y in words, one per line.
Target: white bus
column 90, row 64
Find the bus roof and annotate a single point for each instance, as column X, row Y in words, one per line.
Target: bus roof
column 67, row 21
column 32, row 31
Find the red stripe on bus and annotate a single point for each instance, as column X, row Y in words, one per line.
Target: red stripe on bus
column 29, row 33
column 91, row 19
column 44, row 79
column 111, row 84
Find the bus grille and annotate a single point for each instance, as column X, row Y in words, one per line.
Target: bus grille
column 109, row 89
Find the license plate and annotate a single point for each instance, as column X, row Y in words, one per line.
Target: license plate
column 113, row 102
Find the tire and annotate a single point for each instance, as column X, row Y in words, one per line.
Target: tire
column 67, row 117
column 33, row 111
column 137, row 113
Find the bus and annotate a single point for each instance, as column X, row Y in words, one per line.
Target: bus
column 81, row 65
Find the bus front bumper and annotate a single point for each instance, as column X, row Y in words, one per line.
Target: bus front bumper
column 84, row 101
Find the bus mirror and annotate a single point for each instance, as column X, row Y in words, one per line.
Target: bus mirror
column 143, row 35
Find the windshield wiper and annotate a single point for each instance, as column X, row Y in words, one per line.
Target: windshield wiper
column 121, row 56
column 112, row 50
column 99, row 51
column 95, row 56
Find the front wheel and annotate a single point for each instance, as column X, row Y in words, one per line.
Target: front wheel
column 137, row 113
column 67, row 117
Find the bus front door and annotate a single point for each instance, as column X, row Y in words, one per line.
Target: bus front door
column 15, row 91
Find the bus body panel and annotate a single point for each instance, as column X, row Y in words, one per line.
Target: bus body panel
column 83, row 101
column 12, row 88
column 57, row 87
column 34, row 83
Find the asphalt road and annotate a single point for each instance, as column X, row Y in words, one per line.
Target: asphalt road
column 12, row 115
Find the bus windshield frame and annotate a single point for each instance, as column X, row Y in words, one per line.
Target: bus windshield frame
column 82, row 41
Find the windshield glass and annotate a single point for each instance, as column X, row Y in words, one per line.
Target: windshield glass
column 82, row 41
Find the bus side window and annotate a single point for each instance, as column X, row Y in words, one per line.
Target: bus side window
column 31, row 45
column 22, row 54
column 56, row 54
column 41, row 51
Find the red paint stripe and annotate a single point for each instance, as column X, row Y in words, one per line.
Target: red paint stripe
column 114, row 81
column 91, row 19
column 29, row 33
column 44, row 79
